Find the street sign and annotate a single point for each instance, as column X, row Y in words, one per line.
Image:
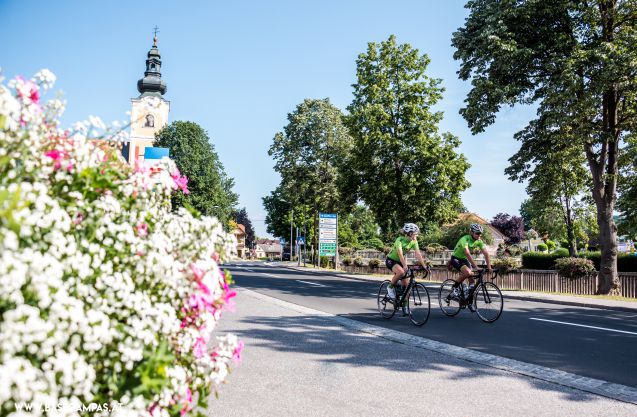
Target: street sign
column 300, row 240
column 328, row 234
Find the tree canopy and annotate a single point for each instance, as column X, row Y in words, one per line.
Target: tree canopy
column 402, row 167
column 578, row 62
column 241, row 217
column 209, row 185
column 511, row 226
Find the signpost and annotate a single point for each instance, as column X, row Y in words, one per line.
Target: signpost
column 328, row 236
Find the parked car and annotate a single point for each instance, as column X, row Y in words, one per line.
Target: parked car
column 286, row 256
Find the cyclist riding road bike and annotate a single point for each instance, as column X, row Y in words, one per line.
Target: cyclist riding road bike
column 461, row 258
column 396, row 261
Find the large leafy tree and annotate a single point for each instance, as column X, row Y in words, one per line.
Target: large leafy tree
column 310, row 154
column 209, row 185
column 241, row 217
column 405, row 169
column 511, row 226
column 578, row 62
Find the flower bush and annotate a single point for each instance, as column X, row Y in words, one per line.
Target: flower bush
column 358, row 261
column 374, row 263
column 347, row 261
column 107, row 298
column 575, row 268
column 506, row 264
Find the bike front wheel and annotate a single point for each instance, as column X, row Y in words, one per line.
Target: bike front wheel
column 419, row 305
column 385, row 304
column 488, row 302
column 449, row 302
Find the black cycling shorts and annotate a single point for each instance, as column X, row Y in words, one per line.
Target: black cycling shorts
column 389, row 263
column 457, row 263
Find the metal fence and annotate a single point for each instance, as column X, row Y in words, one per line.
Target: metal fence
column 532, row 280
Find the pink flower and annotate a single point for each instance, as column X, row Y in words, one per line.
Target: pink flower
column 142, row 229
column 236, row 355
column 56, row 156
column 200, row 347
column 179, row 181
column 197, row 272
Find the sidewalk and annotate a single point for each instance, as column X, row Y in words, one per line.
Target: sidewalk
column 579, row 301
column 302, row 362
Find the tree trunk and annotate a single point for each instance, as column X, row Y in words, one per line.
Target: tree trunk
column 608, row 281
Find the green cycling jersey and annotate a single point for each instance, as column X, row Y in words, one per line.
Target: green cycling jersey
column 466, row 241
column 402, row 242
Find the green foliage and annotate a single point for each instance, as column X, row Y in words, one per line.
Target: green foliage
column 574, row 268
column 627, row 186
column 538, row 260
column 505, row 264
column 625, row 261
column 550, row 245
column 453, row 232
column 542, row 247
column 241, row 217
column 397, row 141
column 310, row 155
column 373, row 243
column 434, row 248
column 209, row 185
column 347, row 261
column 577, row 62
column 561, row 252
column 358, row 261
column 326, row 261
column 374, row 263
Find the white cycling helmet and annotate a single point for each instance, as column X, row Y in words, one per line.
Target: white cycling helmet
column 410, row 228
column 476, row 228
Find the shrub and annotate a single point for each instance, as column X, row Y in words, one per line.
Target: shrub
column 542, row 247
column 434, row 248
column 343, row 250
column 358, row 261
column 506, row 264
column 374, row 243
column 537, row 260
column 561, row 253
column 550, row 245
column 326, row 261
column 574, row 268
column 106, row 294
column 347, row 261
column 374, row 263
column 564, row 244
column 625, row 261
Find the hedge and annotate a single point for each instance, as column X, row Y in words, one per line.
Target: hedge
column 538, row 260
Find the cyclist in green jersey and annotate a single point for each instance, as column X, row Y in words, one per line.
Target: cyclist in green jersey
column 396, row 261
column 461, row 258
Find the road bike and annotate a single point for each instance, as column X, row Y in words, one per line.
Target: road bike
column 484, row 299
column 413, row 299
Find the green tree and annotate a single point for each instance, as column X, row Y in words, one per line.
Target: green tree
column 404, row 169
column 241, row 217
column 578, row 62
column 627, row 202
column 209, row 185
column 358, row 228
column 555, row 171
column 310, row 155
column 451, row 233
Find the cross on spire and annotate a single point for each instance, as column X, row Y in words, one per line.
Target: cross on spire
column 155, row 32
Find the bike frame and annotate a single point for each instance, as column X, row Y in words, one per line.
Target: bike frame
column 410, row 286
column 479, row 277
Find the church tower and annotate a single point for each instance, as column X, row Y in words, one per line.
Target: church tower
column 149, row 111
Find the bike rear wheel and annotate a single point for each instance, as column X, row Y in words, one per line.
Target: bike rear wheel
column 419, row 305
column 488, row 302
column 449, row 304
column 385, row 304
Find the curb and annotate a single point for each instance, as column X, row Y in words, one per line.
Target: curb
column 507, row 295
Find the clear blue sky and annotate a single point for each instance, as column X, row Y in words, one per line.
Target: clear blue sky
column 238, row 68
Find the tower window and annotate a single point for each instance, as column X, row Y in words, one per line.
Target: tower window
column 150, row 121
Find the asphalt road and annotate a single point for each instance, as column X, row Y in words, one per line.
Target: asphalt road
column 595, row 343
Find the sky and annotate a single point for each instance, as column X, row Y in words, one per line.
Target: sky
column 238, row 68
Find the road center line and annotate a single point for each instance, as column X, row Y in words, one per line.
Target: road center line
column 583, row 325
column 311, row 283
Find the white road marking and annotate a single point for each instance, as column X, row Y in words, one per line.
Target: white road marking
column 312, row 283
column 583, row 325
